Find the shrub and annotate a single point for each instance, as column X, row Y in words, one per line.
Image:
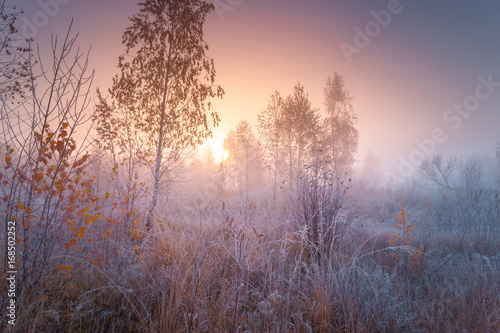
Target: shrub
column 323, row 207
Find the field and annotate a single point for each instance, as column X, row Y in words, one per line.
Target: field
column 237, row 266
column 142, row 190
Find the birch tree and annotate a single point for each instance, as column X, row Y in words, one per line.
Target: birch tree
column 301, row 121
column 243, row 159
column 165, row 84
column 341, row 135
column 270, row 127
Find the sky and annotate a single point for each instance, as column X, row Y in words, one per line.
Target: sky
column 424, row 75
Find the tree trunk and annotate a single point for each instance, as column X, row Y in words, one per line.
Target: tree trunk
column 159, row 148
column 334, row 157
column 275, row 172
column 290, row 166
column 246, row 170
column 156, row 182
column 299, row 164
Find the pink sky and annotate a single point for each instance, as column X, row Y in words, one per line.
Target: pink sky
column 415, row 69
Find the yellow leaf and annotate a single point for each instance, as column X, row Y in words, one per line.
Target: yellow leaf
column 69, row 268
column 107, row 195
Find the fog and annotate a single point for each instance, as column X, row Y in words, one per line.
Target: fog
column 248, row 166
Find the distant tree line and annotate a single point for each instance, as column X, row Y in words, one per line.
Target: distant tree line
column 292, row 136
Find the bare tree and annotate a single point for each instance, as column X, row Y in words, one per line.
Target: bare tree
column 44, row 188
column 14, row 57
column 440, row 170
column 370, row 171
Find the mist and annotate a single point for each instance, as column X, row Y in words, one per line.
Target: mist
column 250, row 166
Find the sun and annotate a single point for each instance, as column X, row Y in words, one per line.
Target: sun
column 216, row 146
column 218, row 152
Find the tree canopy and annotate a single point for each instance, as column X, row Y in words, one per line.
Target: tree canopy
column 164, row 87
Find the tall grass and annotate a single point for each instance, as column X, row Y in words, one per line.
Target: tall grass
column 229, row 274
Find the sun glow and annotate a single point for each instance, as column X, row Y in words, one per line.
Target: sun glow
column 216, row 148
column 219, row 153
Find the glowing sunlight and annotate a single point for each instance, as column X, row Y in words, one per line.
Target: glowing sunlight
column 216, row 147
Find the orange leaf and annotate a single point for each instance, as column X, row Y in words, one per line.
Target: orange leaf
column 58, row 268
column 37, row 177
column 44, row 298
column 69, row 268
